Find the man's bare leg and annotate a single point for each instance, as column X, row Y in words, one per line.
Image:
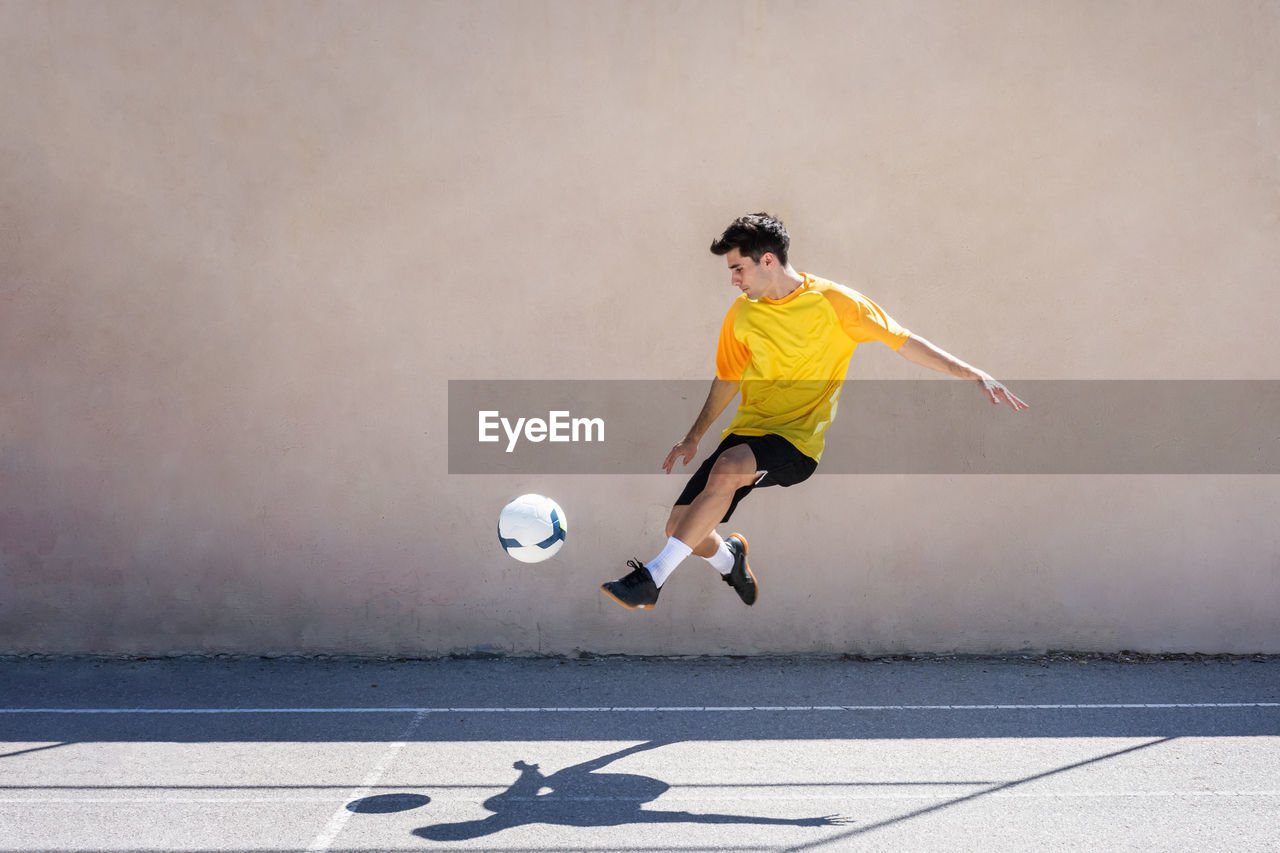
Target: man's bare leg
column 695, row 524
column 728, row 557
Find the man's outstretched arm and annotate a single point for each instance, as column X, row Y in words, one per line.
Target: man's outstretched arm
column 722, row 391
column 925, row 354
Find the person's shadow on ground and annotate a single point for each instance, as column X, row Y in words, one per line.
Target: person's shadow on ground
column 579, row 796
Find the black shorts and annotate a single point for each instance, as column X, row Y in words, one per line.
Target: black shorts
column 777, row 461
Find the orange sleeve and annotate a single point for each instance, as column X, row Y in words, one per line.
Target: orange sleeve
column 864, row 320
column 732, row 355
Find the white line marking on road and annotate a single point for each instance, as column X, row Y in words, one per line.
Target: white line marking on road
column 340, row 817
column 681, row 709
column 673, row 798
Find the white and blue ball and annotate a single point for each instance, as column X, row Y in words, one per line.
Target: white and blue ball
column 531, row 528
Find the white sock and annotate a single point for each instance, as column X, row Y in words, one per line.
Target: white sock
column 665, row 563
column 722, row 560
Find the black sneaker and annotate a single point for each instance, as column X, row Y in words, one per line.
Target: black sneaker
column 740, row 578
column 637, row 590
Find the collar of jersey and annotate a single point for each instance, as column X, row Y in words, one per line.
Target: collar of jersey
column 803, row 287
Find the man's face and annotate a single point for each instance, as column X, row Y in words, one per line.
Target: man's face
column 746, row 275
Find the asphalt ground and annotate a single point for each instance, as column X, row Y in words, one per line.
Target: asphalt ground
column 758, row 754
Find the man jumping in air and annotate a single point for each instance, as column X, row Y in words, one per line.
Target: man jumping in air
column 784, row 347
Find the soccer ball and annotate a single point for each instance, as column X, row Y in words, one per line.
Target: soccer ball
column 531, row 528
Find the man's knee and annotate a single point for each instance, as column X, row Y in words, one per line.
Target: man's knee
column 734, row 468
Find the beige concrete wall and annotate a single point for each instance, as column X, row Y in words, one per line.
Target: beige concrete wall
column 243, row 247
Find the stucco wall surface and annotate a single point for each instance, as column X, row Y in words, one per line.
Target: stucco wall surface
column 245, row 246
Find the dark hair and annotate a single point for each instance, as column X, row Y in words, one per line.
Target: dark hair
column 753, row 235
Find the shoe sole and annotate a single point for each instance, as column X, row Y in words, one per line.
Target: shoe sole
column 607, row 592
column 746, row 565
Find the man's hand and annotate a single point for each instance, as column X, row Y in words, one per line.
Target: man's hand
column 1000, row 394
column 687, row 447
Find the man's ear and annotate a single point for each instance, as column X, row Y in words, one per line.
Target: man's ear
column 768, row 259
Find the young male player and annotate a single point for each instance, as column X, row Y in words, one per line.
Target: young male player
column 784, row 347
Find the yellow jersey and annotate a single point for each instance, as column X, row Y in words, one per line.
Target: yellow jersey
column 791, row 356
